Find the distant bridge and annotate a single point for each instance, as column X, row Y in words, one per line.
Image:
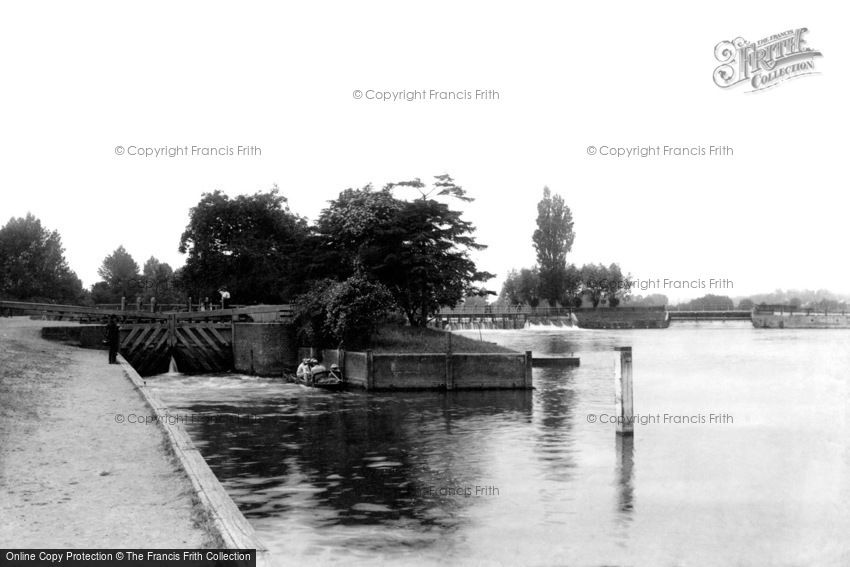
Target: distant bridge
column 512, row 317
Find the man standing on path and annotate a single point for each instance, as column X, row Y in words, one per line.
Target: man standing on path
column 113, row 338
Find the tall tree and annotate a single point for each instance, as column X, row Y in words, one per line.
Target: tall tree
column 159, row 282
column 553, row 239
column 354, row 222
column 251, row 245
column 33, row 265
column 419, row 250
column 119, row 275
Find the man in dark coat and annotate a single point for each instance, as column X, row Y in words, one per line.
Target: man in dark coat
column 113, row 339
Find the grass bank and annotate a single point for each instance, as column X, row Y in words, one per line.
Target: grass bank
column 399, row 338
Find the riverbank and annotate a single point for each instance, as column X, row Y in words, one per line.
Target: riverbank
column 70, row 474
column 399, row 338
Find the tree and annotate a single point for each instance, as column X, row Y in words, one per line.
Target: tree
column 119, row 275
column 311, row 314
column 553, row 239
column 709, row 302
column 335, row 314
column 571, row 286
column 510, row 290
column 251, row 245
column 651, row 300
column 593, row 282
column 354, row 308
column 159, row 281
column 356, row 221
column 475, row 302
column 528, row 286
column 419, row 250
column 522, row 287
column 33, row 265
column 746, row 304
column 604, row 284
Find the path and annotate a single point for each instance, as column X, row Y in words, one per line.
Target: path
column 70, row 475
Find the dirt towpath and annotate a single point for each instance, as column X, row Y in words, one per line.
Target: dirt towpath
column 71, row 475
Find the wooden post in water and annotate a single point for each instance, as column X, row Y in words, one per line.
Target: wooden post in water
column 370, row 377
column 624, row 392
column 449, row 378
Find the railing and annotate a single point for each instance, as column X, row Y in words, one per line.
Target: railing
column 54, row 308
column 791, row 310
column 104, row 310
column 703, row 308
column 162, row 307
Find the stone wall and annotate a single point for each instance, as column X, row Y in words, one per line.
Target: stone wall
column 265, row 349
column 86, row 336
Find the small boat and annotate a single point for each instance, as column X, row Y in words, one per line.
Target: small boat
column 319, row 377
column 324, row 378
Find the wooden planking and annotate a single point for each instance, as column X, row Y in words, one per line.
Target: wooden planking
column 128, row 340
column 204, row 346
column 145, row 346
column 284, row 311
column 198, row 346
column 210, row 340
column 198, row 358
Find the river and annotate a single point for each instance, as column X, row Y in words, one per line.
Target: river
column 742, row 458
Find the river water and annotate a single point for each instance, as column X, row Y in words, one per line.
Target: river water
column 746, row 461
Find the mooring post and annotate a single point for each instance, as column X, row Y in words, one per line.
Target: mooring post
column 527, row 382
column 623, row 392
column 450, row 378
column 370, row 378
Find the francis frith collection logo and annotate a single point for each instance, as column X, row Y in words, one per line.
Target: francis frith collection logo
column 764, row 63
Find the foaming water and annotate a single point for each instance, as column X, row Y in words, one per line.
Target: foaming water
column 528, row 478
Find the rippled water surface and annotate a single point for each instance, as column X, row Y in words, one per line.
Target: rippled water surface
column 535, row 478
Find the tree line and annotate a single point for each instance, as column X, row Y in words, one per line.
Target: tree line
column 372, row 252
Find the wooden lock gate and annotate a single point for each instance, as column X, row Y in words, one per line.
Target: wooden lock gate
column 196, row 346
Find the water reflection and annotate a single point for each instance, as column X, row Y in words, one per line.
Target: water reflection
column 348, row 459
column 625, row 450
column 356, row 478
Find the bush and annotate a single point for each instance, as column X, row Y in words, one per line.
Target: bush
column 354, row 308
column 333, row 314
column 310, row 314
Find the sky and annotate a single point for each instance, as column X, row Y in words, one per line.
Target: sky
column 81, row 80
